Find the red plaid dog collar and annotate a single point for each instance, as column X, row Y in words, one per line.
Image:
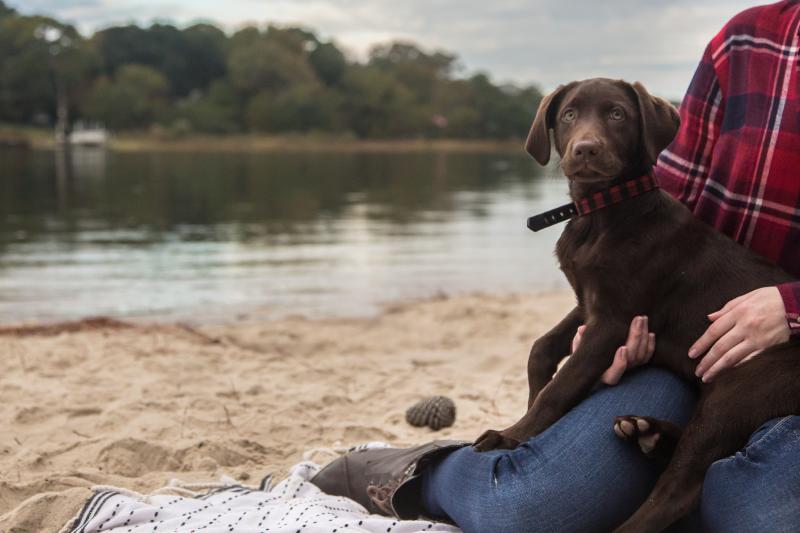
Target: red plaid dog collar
column 612, row 195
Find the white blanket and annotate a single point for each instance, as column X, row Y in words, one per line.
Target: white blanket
column 292, row 506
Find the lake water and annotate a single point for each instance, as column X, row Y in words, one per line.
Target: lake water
column 214, row 236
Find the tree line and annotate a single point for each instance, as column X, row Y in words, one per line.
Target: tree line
column 275, row 80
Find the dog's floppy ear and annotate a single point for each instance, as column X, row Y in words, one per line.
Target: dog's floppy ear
column 660, row 121
column 538, row 143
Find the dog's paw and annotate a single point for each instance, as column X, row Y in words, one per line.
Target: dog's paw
column 645, row 431
column 494, row 440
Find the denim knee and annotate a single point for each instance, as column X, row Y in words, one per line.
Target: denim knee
column 576, row 476
column 510, row 504
column 489, row 496
column 546, row 499
column 494, row 494
column 758, row 489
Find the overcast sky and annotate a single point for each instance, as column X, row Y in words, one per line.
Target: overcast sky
column 546, row 42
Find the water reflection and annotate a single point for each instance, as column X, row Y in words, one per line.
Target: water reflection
column 206, row 235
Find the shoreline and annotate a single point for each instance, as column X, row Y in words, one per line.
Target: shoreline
column 135, row 405
column 38, row 139
column 233, row 315
column 255, row 143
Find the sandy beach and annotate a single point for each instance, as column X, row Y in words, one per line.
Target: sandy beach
column 135, row 405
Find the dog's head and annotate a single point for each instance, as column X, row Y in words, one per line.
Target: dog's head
column 602, row 128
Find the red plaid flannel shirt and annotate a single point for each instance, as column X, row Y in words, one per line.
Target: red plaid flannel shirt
column 736, row 159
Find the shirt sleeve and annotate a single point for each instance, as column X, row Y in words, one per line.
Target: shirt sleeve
column 683, row 167
column 790, row 292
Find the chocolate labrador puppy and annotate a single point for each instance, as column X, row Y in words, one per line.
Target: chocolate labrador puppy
column 644, row 253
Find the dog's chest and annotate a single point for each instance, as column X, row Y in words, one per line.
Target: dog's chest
column 573, row 251
column 579, row 254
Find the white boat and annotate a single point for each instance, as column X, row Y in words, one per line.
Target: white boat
column 88, row 135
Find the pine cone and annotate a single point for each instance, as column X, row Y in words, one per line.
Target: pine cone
column 436, row 412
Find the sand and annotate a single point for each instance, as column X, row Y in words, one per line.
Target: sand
column 135, row 405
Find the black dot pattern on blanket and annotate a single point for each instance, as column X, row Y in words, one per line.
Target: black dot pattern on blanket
column 292, row 506
column 436, row 412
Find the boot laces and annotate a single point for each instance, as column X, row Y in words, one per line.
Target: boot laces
column 381, row 495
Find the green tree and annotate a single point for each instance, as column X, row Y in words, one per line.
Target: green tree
column 189, row 59
column 280, row 79
column 328, row 63
column 298, row 40
column 302, row 108
column 134, row 98
column 205, row 44
column 37, row 55
column 376, row 106
column 244, row 37
column 265, row 65
column 420, row 72
column 6, row 10
column 215, row 112
column 505, row 111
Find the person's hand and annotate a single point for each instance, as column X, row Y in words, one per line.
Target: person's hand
column 740, row 331
column 638, row 350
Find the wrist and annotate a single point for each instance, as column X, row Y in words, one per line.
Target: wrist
column 790, row 293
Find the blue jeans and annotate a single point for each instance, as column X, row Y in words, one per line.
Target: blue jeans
column 578, row 476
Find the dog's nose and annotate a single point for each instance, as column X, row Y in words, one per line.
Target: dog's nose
column 585, row 150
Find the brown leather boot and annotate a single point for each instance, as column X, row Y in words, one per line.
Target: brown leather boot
column 380, row 478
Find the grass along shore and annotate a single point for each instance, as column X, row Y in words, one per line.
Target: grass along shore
column 39, row 138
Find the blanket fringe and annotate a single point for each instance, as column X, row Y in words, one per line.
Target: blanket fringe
column 194, row 490
column 175, row 486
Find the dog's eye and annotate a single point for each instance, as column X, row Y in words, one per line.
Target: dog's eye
column 568, row 115
column 616, row 114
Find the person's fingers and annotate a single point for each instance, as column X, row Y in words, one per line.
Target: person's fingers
column 576, row 340
column 634, row 340
column 728, row 306
column 614, row 373
column 716, row 330
column 731, row 358
column 725, row 343
column 651, row 345
column 646, row 353
column 641, row 349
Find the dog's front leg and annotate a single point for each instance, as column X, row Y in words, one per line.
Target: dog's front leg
column 549, row 350
column 570, row 385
